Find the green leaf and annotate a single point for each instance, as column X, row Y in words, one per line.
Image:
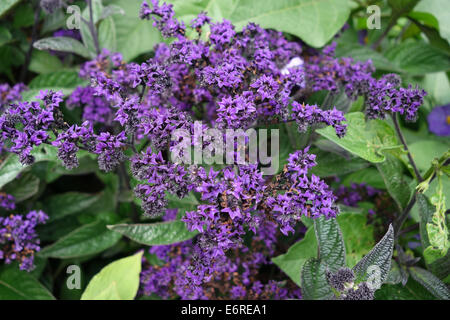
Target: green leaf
column 160, row 233
column 424, row 151
column 119, row 280
column 314, row 283
column 441, row 10
column 364, row 53
column 369, row 176
column 65, row 81
column 401, row 7
column 111, row 10
column 134, row 36
column 21, row 285
column 357, row 234
column 365, row 140
column 107, row 35
column 437, row 86
column 5, row 36
column 314, row 21
column 430, row 282
column 23, row 188
column 293, row 260
column 417, row 58
column 11, row 166
column 6, row 5
column 44, row 62
column 396, row 182
column 61, row 205
column 412, row 291
column 330, row 243
column 357, row 237
column 89, row 239
column 380, row 256
column 63, row 44
column 331, row 164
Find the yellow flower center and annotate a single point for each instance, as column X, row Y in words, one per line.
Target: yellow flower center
column 448, row 120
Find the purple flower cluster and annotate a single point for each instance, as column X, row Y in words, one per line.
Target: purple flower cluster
column 7, row 201
column 161, row 177
column 10, row 94
column 303, row 196
column 18, row 238
column 382, row 96
column 351, row 196
column 25, row 125
column 235, row 276
column 95, row 109
column 306, row 116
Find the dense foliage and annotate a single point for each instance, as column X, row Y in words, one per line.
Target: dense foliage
column 128, row 169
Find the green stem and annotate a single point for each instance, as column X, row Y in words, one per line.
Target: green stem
column 403, row 141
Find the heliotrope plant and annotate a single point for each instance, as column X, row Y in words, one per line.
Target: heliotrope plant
column 208, row 74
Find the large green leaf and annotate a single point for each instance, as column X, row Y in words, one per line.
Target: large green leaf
column 23, row 188
column 160, row 233
column 357, row 234
column 89, row 239
column 330, row 243
column 441, row 10
column 63, row 44
column 61, row 205
column 11, row 166
column 86, row 35
column 44, row 62
column 364, row 53
column 5, row 5
column 379, row 256
column 134, row 36
column 365, row 140
column 119, row 280
column 293, row 260
column 398, row 184
column 314, row 282
column 21, row 285
column 314, row 21
column 65, row 81
column 418, row 58
column 107, row 34
column 331, row 164
column 431, row 283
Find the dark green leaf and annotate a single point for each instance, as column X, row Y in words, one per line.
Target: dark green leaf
column 398, row 185
column 87, row 240
column 314, row 282
column 11, row 166
column 418, row 58
column 23, row 188
column 379, row 256
column 6, row 5
column 330, row 243
column 63, row 44
column 431, row 283
column 161, row 233
column 293, row 260
column 60, row 205
column 21, row 285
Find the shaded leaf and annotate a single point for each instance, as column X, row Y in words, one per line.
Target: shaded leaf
column 379, row 256
column 160, row 233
